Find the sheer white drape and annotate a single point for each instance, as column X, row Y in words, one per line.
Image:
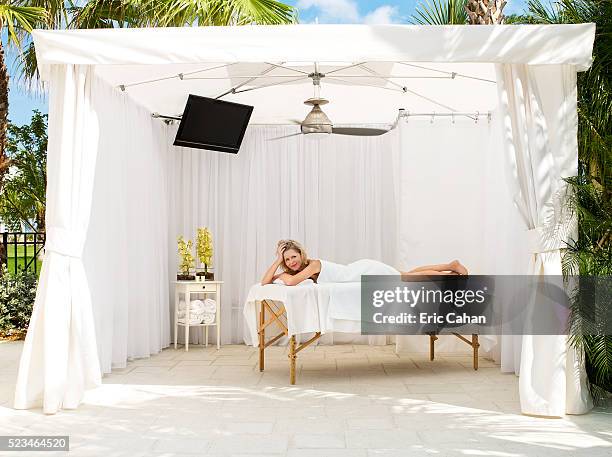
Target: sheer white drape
column 540, row 127
column 454, row 204
column 345, row 198
column 126, row 254
column 334, row 194
column 59, row 359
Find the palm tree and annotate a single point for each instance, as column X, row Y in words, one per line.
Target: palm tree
column 441, row 12
column 179, row 13
column 18, row 20
column 485, row 12
column 445, row 12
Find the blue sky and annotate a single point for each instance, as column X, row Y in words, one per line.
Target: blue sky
column 21, row 103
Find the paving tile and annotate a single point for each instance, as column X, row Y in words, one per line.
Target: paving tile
column 310, row 426
column 367, row 398
column 241, row 443
column 317, row 440
column 381, row 439
column 381, row 423
column 181, row 446
column 326, row 453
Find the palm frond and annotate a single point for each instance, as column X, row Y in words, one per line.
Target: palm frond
column 27, row 66
column 57, row 11
column 440, row 12
column 177, row 13
column 103, row 14
column 19, row 20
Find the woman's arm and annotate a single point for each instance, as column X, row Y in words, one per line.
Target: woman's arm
column 312, row 268
column 270, row 275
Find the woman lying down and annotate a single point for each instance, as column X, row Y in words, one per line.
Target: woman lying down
column 297, row 267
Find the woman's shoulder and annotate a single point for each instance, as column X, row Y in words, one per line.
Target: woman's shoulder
column 316, row 263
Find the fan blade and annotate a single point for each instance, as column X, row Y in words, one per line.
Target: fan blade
column 284, row 136
column 358, row 131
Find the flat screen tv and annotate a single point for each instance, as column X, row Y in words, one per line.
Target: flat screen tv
column 213, row 124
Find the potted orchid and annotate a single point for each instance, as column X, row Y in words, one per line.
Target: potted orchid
column 204, row 250
column 187, row 261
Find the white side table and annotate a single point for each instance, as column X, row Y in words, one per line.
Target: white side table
column 194, row 287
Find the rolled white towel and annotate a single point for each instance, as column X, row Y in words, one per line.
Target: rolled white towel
column 192, row 320
column 208, row 318
column 210, row 306
column 192, row 314
column 197, row 305
column 194, row 306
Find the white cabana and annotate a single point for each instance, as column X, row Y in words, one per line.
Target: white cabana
column 483, row 184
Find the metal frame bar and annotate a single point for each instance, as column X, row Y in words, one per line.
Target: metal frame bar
column 233, row 89
column 335, row 78
column 268, row 85
column 452, row 73
column 324, row 75
column 375, row 73
column 405, row 89
column 287, row 68
column 474, row 116
column 123, row 87
column 345, row 68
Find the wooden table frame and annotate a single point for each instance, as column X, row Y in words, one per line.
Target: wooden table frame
column 278, row 316
column 474, row 343
column 189, row 288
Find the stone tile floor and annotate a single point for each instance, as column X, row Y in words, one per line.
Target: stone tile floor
column 349, row 401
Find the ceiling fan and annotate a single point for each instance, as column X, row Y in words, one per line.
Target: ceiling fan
column 317, row 122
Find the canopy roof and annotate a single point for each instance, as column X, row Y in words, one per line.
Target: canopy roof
column 369, row 71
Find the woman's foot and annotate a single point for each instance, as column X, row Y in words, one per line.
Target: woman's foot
column 456, row 266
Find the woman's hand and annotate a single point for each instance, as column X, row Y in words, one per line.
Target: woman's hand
column 279, row 253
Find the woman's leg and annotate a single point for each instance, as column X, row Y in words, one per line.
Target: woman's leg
column 453, row 267
column 427, row 272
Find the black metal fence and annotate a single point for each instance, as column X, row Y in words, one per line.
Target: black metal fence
column 22, row 251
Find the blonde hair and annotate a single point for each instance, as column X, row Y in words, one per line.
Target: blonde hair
column 285, row 245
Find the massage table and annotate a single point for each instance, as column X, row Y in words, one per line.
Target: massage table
column 310, row 308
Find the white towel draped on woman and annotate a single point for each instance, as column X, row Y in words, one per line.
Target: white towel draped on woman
column 335, row 272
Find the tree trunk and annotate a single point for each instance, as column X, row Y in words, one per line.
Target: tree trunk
column 4, row 105
column 485, row 12
column 4, row 162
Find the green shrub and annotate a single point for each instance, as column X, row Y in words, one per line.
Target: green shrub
column 17, row 294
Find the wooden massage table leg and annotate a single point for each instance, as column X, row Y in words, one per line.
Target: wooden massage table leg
column 432, row 341
column 262, row 337
column 294, row 349
column 475, row 346
column 292, row 358
column 279, row 318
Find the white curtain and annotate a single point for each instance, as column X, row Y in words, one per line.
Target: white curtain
column 454, row 204
column 336, row 195
column 540, row 126
column 60, row 358
column 126, row 252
